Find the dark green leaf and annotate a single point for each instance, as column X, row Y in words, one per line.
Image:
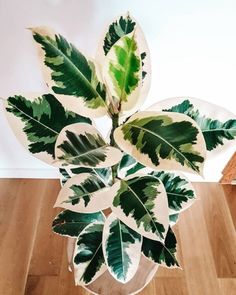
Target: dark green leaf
column 128, row 165
column 159, row 136
column 103, row 173
column 162, row 253
column 68, row 223
column 173, row 218
column 89, row 261
column 71, row 73
column 141, row 203
column 43, row 119
column 118, row 29
column 214, row 131
column 82, row 145
column 122, row 249
column 179, row 191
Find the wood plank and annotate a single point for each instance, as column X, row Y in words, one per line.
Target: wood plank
column 47, row 253
column 227, row 286
column 205, row 231
column 220, row 229
column 42, row 285
column 230, row 195
column 66, row 283
column 199, row 265
column 20, row 208
column 166, row 286
column 229, row 172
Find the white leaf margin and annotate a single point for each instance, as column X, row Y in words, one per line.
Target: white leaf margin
column 100, row 199
column 161, row 209
column 134, row 251
column 164, row 164
column 113, row 155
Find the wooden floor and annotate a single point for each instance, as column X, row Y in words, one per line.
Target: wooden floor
column 33, row 259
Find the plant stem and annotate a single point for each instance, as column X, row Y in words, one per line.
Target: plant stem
column 115, row 124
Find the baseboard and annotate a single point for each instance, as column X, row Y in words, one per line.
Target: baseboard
column 29, row 173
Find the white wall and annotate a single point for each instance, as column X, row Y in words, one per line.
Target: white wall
column 192, row 44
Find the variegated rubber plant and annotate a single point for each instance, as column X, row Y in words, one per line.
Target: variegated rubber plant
column 132, row 174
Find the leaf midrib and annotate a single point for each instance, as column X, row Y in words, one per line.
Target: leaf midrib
column 161, row 138
column 95, row 253
column 153, row 222
column 86, row 153
column 32, row 118
column 219, row 129
column 127, row 69
column 79, row 73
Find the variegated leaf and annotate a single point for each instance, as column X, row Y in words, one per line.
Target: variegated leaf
column 83, row 145
column 126, row 62
column 71, row 224
column 180, row 191
column 161, row 140
column 121, row 248
column 163, row 253
column 89, row 261
column 104, row 174
column 85, row 193
column 70, row 75
column 173, row 219
column 34, row 120
column 128, row 165
column 217, row 124
column 141, row 203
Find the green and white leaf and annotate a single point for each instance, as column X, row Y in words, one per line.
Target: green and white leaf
column 34, row 120
column 82, row 145
column 70, row 224
column 104, row 174
column 173, row 219
column 89, row 261
column 84, row 193
column 122, row 27
column 121, row 248
column 64, row 176
column 180, row 191
column 119, row 28
column 163, row 253
column 217, row 124
column 74, row 78
column 162, row 140
column 128, row 165
column 141, row 203
column 122, row 71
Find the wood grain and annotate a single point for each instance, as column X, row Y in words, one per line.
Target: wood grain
column 229, row 172
column 33, row 260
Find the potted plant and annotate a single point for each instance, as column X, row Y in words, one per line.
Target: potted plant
column 132, row 176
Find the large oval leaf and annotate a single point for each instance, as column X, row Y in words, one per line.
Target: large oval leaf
column 218, row 125
column 83, row 145
column 84, row 193
column 179, row 190
column 89, row 261
column 141, row 203
column 124, row 52
column 163, row 253
column 71, row 224
column 34, row 120
column 121, row 248
column 162, row 140
column 70, row 74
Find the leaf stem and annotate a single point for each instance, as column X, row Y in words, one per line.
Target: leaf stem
column 115, row 124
